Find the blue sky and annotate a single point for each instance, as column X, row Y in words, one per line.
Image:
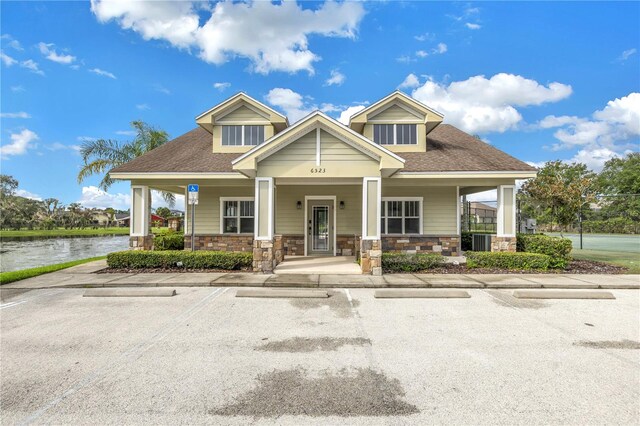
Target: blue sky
column 539, row 80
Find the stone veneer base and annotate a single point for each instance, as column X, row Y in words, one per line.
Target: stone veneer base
column 219, row 242
column 410, row 244
column 503, row 243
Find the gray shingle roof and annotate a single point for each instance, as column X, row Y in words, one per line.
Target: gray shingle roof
column 448, row 149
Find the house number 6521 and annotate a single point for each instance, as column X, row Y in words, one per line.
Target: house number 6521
column 318, row 170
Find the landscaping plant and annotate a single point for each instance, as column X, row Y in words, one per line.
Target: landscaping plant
column 558, row 249
column 172, row 259
column 508, row 260
column 401, row 262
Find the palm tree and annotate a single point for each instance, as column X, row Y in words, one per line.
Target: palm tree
column 102, row 155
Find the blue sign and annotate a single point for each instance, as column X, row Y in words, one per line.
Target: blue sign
column 193, row 187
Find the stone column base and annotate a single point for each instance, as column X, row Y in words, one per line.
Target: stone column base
column 371, row 257
column 267, row 254
column 141, row 243
column 503, row 243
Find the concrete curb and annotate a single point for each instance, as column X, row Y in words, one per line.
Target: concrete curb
column 421, row 294
column 138, row 292
column 288, row 293
column 562, row 294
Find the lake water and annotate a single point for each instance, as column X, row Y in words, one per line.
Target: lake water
column 30, row 253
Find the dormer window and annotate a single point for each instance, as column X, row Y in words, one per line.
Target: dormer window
column 395, row 134
column 242, row 135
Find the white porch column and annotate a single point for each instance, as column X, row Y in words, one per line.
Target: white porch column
column 139, row 215
column 371, row 199
column 264, row 219
column 506, row 226
column 370, row 244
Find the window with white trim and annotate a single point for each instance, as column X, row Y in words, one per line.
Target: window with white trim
column 237, row 216
column 242, row 135
column 395, row 134
column 401, row 216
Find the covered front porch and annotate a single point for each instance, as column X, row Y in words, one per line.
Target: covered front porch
column 300, row 220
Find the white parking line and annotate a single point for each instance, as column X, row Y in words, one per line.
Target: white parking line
column 11, row 304
column 19, row 302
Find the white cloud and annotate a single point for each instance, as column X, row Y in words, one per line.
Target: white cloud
column 410, row 82
column 422, row 53
column 290, row 102
column 405, row 59
column 26, row 194
column 425, row 37
column 610, row 132
column 86, row 139
column 439, row 49
column 17, row 89
column 160, row 88
column 349, row 112
column 221, row 86
column 487, row 196
column 57, row 146
column 6, row 59
column 104, row 73
column 95, row 198
column 20, row 114
column 594, row 158
column 20, row 143
column 126, row 132
column 47, row 50
column 295, row 106
column 11, row 42
column 618, row 121
column 143, row 107
column 337, row 78
column 627, row 54
column 32, row 66
column 274, row 37
column 481, row 105
column 473, row 26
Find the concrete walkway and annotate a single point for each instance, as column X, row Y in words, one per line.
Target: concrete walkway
column 84, row 276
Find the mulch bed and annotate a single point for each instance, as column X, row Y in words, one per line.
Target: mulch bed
column 164, row 270
column 575, row 267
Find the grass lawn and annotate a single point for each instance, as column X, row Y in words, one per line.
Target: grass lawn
column 61, row 232
column 626, row 259
column 12, row 276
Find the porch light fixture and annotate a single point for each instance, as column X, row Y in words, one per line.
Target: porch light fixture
column 341, row 205
column 299, row 205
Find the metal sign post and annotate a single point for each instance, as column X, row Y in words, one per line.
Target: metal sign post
column 192, row 191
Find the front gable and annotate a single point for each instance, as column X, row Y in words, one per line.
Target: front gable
column 318, row 146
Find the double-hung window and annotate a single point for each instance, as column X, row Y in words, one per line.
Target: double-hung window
column 395, row 134
column 237, row 215
column 401, row 215
column 242, row 135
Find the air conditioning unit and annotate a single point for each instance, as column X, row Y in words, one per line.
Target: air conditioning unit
column 528, row 226
column 481, row 242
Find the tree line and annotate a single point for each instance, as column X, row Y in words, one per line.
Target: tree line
column 564, row 196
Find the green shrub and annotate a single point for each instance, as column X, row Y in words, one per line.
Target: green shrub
column 168, row 240
column 139, row 259
column 508, row 260
column 558, row 249
column 401, row 262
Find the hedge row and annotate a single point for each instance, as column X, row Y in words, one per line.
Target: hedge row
column 508, row 260
column 139, row 259
column 168, row 240
column 558, row 249
column 401, row 262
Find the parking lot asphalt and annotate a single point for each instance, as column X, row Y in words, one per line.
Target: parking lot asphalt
column 205, row 356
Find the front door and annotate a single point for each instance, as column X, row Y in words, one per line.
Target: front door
column 320, row 227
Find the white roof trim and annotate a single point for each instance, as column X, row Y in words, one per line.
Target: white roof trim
column 299, row 123
column 396, row 92
column 232, row 98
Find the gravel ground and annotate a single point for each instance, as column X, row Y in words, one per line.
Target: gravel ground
column 205, row 356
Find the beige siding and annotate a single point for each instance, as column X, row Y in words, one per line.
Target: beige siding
column 337, row 159
column 440, row 214
column 290, row 220
column 208, row 208
column 243, row 115
column 395, row 113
